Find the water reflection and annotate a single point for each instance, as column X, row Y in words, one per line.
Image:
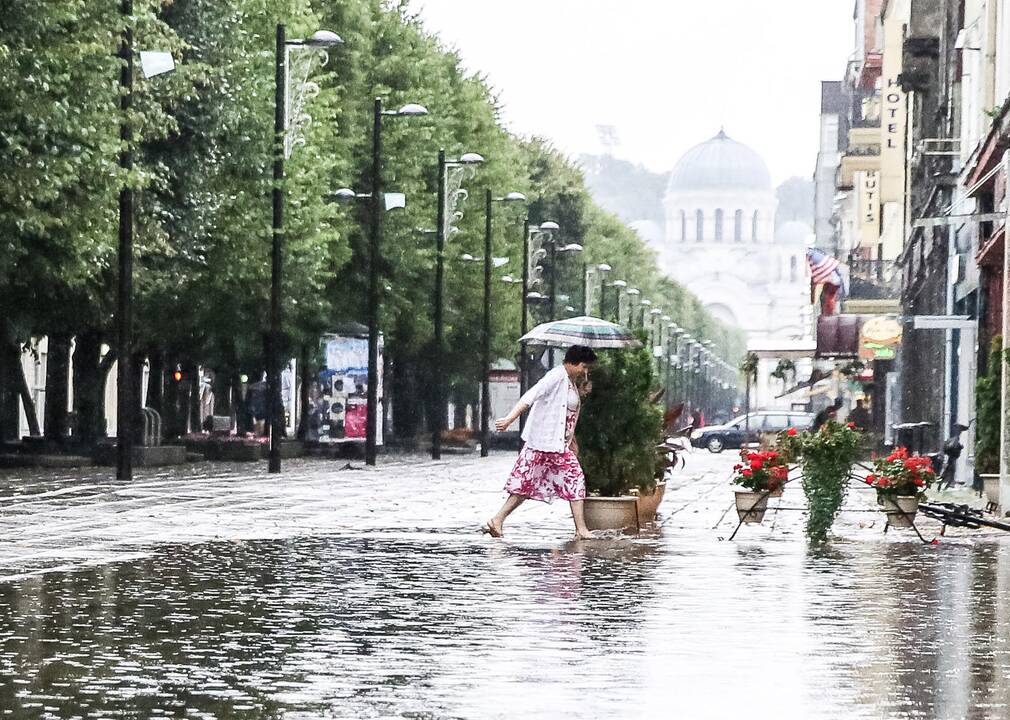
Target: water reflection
column 431, row 623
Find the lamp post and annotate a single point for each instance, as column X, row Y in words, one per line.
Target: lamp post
column 447, row 203
column 284, row 102
column 654, row 316
column 546, row 240
column 375, row 201
column 619, row 284
column 485, row 385
column 600, row 269
column 124, row 305
column 634, row 297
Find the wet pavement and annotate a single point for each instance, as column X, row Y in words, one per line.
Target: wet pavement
column 223, row 592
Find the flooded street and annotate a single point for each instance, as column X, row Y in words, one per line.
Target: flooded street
column 368, row 594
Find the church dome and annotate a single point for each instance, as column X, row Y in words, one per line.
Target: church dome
column 794, row 232
column 719, row 164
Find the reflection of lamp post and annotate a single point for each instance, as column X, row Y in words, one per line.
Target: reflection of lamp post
column 287, row 110
column 447, row 203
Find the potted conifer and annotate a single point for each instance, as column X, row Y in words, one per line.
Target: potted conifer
column 618, row 433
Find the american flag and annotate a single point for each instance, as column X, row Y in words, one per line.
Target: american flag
column 823, row 268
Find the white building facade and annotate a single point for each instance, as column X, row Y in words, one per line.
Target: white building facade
column 721, row 243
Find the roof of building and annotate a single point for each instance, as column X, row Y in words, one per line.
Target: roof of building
column 717, row 164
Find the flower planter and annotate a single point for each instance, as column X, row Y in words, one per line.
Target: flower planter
column 648, row 504
column 900, row 509
column 238, row 451
column 751, row 506
column 990, row 486
column 612, row 513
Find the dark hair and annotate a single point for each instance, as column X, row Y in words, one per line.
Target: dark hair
column 580, row 354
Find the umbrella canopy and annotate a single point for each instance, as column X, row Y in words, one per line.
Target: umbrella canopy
column 589, row 331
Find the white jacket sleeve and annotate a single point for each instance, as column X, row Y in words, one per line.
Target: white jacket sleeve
column 542, row 387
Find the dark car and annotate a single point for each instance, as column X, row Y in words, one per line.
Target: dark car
column 741, row 431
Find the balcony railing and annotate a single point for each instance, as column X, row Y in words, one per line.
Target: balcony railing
column 874, row 279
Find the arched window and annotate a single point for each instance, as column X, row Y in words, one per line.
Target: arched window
column 754, row 227
column 699, row 221
column 683, row 226
column 718, row 225
column 738, row 226
column 793, row 265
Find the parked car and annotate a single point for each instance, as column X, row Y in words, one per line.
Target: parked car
column 740, row 431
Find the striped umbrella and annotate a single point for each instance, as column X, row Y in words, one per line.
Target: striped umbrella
column 589, row 331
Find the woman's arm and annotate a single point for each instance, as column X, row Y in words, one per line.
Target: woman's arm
column 502, row 424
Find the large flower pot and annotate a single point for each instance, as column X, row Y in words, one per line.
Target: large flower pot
column 751, row 506
column 648, row 504
column 990, row 486
column 612, row 513
column 900, row 509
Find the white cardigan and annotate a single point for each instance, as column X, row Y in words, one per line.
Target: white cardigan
column 548, row 403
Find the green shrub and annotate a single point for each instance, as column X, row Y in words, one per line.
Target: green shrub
column 988, row 408
column 620, row 427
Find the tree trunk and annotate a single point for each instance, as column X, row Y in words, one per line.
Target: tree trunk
column 156, row 382
column 26, row 394
column 171, row 415
column 193, row 406
column 8, row 401
column 303, row 393
column 139, row 401
column 57, row 374
column 89, row 389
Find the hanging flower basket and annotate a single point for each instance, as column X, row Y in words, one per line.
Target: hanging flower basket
column 901, row 482
column 761, row 475
column 900, row 509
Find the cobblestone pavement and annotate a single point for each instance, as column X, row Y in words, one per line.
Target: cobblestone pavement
column 224, row 592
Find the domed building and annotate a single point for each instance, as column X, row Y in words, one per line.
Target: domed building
column 720, row 240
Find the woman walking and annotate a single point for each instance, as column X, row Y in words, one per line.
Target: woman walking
column 548, row 466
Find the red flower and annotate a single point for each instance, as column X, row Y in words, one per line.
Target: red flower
column 851, row 426
column 756, row 464
column 791, row 432
column 746, row 473
column 738, row 467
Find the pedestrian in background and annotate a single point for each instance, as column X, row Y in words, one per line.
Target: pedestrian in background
column 548, row 465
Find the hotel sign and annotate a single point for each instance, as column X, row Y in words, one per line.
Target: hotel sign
column 869, row 208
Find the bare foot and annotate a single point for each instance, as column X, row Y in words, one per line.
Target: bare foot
column 492, row 528
column 584, row 535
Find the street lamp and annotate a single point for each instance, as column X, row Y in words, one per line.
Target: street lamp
column 547, row 249
column 600, row 269
column 374, row 254
column 289, row 123
column 644, row 305
column 485, row 385
column 448, row 202
column 620, row 285
column 634, row 295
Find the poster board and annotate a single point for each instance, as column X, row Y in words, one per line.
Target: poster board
column 338, row 397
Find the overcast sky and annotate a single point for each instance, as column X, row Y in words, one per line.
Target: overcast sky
column 665, row 73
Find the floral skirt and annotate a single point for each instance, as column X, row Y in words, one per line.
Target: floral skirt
column 544, row 476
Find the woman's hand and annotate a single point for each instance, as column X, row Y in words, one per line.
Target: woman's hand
column 502, row 424
column 574, row 446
